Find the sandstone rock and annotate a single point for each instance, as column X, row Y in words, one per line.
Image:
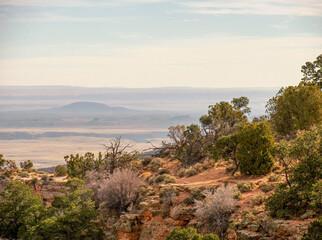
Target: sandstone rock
column 231, row 234
column 155, row 230
column 280, row 229
column 155, row 203
column 247, row 235
column 128, row 223
column 143, row 205
column 156, row 212
column 253, row 227
column 182, row 213
column 145, row 216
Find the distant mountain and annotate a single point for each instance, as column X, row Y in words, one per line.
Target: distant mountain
column 91, row 107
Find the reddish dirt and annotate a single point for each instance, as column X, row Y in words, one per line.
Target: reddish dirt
column 217, row 176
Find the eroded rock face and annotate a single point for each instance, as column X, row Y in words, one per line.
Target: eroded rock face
column 51, row 190
column 248, row 235
column 182, row 213
column 128, row 227
column 48, row 190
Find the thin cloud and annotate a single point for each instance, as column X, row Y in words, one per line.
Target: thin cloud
column 74, row 3
column 204, row 62
column 256, row 7
column 46, row 17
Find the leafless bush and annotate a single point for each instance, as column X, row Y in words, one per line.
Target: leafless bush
column 119, row 190
column 217, row 207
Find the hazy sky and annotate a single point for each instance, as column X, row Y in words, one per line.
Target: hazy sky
column 156, row 43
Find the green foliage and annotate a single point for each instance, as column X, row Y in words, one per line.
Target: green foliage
column 188, row 201
column 24, row 175
column 255, row 149
column 27, row 165
column 285, row 202
column 78, row 165
column 44, row 177
column 245, row 186
column 226, row 148
column 314, row 232
column 164, row 171
column 34, row 180
column 20, row 209
column 194, row 196
column 60, row 171
column 182, row 173
column 191, row 148
column 165, row 178
column 258, row 200
column 274, row 178
column 295, row 108
column 312, row 71
column 190, row 172
column 302, row 192
column 7, row 167
column 72, row 216
column 146, row 161
column 223, row 118
column 316, row 196
column 167, row 195
column 155, row 164
column 266, row 187
column 169, row 179
column 189, row 234
column 160, row 178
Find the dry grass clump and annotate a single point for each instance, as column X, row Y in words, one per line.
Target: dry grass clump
column 245, row 186
column 217, row 207
column 118, row 191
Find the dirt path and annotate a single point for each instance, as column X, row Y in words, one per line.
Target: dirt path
column 218, row 176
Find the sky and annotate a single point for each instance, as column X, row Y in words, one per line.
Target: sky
column 158, row 43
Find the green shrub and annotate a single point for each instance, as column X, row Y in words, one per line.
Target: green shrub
column 24, row 175
column 198, row 195
column 194, row 196
column 169, row 179
column 302, row 191
column 255, row 148
column 155, row 164
column 316, row 196
column 60, row 171
column 245, row 186
column 190, row 172
column 266, row 187
column 44, row 178
column 188, row 201
column 182, row 173
column 34, row 180
column 198, row 167
column 164, row 171
column 189, row 234
column 230, row 168
column 20, row 209
column 314, row 232
column 258, row 200
column 146, row 161
column 274, row 178
column 160, row 178
column 167, row 195
column 286, row 202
